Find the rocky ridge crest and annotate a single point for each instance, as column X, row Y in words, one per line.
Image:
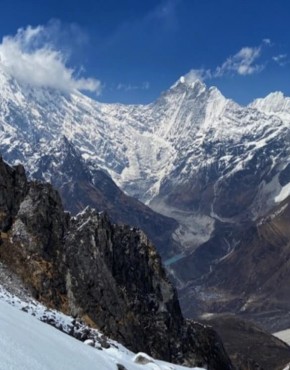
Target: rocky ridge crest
column 110, row 276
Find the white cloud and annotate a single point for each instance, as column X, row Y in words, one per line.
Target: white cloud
column 281, row 59
column 242, row 63
column 197, row 74
column 30, row 58
column 165, row 12
column 130, row 87
column 267, row 42
column 146, row 85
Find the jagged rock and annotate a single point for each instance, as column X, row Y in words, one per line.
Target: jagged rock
column 121, row 367
column 142, row 359
column 13, row 188
column 89, row 342
column 41, row 218
column 108, row 275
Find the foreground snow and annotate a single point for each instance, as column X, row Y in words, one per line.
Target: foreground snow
column 283, row 335
column 29, row 344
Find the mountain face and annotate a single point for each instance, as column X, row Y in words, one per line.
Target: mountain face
column 253, row 279
column 186, row 155
column 109, row 275
column 214, row 169
column 192, row 154
column 28, row 136
column 274, row 104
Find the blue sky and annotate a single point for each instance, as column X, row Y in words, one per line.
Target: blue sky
column 132, row 50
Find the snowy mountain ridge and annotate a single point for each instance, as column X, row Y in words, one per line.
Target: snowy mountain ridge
column 191, row 140
column 124, row 140
column 274, row 104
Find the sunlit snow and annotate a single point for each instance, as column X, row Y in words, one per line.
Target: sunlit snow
column 29, row 344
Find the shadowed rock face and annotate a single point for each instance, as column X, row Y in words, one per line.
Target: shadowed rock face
column 110, row 276
column 253, row 348
column 13, row 188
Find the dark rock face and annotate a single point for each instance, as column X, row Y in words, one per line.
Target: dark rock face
column 253, row 348
column 120, row 264
column 110, row 276
column 41, row 216
column 13, row 188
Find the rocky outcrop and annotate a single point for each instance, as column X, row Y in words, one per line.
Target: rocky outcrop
column 109, row 276
column 13, row 188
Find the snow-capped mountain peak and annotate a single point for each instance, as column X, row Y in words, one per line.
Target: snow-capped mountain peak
column 187, row 86
column 191, row 134
column 274, row 103
column 194, row 84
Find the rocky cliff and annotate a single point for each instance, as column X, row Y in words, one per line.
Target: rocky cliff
column 110, row 276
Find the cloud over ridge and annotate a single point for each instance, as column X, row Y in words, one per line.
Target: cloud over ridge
column 30, row 58
column 244, row 63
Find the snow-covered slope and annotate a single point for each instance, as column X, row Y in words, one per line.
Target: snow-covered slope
column 274, row 104
column 29, row 344
column 283, row 335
